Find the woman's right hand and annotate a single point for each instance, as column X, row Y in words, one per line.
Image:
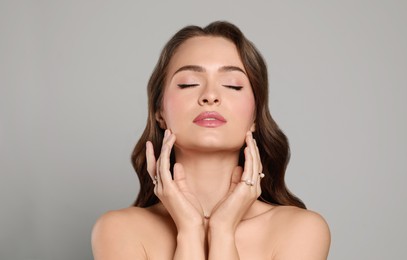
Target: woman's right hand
column 174, row 194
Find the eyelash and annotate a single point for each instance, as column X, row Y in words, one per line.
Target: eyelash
column 187, row 85
column 233, row 87
column 182, row 86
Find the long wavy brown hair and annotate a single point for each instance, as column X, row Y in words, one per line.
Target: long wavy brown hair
column 272, row 143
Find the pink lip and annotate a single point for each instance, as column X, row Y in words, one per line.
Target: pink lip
column 209, row 119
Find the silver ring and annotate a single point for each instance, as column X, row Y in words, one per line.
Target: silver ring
column 261, row 175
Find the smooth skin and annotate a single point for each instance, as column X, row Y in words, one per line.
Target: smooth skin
column 207, row 180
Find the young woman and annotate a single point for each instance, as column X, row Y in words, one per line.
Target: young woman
column 211, row 163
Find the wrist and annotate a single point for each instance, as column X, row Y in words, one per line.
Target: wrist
column 221, row 227
column 190, row 244
column 224, row 236
column 196, row 233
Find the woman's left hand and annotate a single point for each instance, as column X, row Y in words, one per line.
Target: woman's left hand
column 243, row 192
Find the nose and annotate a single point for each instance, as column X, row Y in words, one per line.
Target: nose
column 209, row 96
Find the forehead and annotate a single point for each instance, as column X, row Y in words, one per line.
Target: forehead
column 206, row 51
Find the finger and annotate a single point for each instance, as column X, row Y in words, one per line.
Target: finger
column 179, row 177
column 159, row 184
column 151, row 163
column 159, row 161
column 260, row 174
column 165, row 158
column 249, row 160
column 158, row 177
column 165, row 138
column 179, row 174
column 258, row 156
column 255, row 165
column 248, row 165
column 236, row 177
column 150, row 157
column 166, row 134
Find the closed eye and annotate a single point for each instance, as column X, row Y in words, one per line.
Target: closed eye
column 187, row 85
column 233, row 87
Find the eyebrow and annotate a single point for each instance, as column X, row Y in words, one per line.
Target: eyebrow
column 197, row 68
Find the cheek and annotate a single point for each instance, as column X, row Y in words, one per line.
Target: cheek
column 246, row 110
column 173, row 107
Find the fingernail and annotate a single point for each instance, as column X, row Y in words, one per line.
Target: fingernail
column 165, row 133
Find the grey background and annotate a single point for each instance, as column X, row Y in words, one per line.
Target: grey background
column 73, row 104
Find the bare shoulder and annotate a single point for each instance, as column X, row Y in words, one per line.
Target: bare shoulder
column 125, row 219
column 300, row 218
column 120, row 234
column 303, row 234
column 113, row 233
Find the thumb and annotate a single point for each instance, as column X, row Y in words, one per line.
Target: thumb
column 179, row 177
column 179, row 174
column 236, row 177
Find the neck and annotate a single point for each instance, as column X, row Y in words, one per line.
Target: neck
column 208, row 174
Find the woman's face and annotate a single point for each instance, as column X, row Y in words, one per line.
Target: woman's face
column 208, row 101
